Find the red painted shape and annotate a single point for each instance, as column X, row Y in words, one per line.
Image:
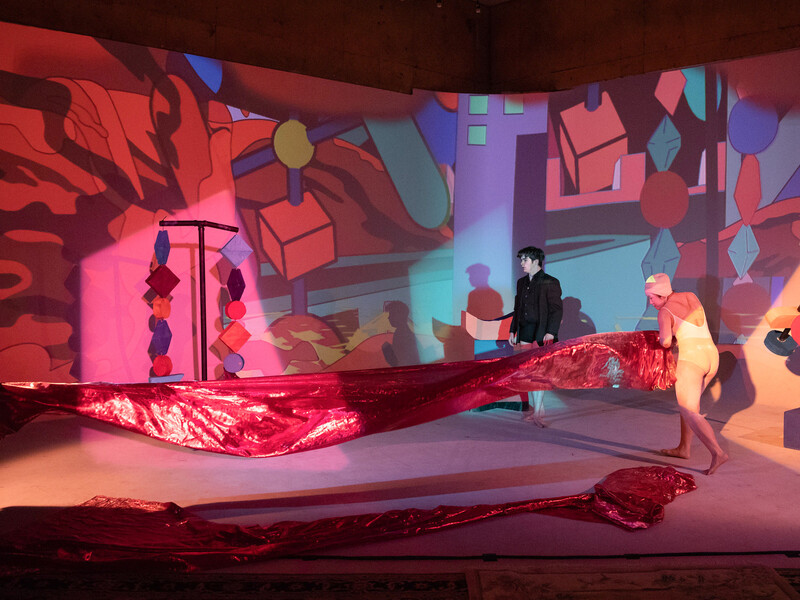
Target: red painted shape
column 591, row 144
column 297, row 239
column 448, row 100
column 664, row 199
column 632, row 169
column 669, row 89
column 743, row 307
column 748, row 188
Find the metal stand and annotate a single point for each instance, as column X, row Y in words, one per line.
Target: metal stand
column 201, row 225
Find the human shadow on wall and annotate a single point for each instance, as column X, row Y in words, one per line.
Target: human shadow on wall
column 574, row 323
column 483, row 302
column 402, row 351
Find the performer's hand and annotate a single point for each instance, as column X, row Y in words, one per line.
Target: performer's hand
column 512, row 339
column 548, row 339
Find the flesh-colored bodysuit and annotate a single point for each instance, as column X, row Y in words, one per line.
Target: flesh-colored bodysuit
column 695, row 344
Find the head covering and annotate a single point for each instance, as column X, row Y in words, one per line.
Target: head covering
column 659, row 284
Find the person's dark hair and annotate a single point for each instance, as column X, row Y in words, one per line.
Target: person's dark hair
column 533, row 253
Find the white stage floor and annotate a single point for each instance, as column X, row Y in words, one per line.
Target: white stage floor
column 746, row 513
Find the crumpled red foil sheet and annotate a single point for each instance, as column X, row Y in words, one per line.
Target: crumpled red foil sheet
column 270, row 416
column 122, row 532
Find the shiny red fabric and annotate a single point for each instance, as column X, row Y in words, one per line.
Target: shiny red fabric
column 270, row 416
column 121, row 532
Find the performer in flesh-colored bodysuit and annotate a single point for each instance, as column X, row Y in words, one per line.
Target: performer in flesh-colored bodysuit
column 681, row 316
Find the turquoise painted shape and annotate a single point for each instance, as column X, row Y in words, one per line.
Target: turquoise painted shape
column 664, row 144
column 412, row 169
column 695, row 90
column 476, row 135
column 616, row 307
column 479, row 105
column 355, row 136
column 662, row 257
column 743, row 250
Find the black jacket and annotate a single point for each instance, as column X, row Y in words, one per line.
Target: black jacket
column 547, row 290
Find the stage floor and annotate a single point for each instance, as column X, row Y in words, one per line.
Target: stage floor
column 745, row 514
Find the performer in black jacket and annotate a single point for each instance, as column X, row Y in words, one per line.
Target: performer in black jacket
column 537, row 313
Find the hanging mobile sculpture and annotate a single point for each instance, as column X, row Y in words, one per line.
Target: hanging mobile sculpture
column 235, row 334
column 162, row 281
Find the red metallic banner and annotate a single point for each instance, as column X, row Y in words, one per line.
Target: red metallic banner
column 271, row 416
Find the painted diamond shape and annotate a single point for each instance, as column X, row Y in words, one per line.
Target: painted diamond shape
column 663, row 256
column 669, row 89
column 236, row 250
column 664, row 144
column 743, row 250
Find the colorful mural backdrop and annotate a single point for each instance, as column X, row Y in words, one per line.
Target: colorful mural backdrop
column 369, row 222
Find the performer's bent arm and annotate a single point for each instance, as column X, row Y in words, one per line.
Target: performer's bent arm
column 665, row 328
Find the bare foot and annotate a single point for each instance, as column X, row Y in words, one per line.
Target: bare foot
column 675, row 452
column 716, row 462
column 535, row 419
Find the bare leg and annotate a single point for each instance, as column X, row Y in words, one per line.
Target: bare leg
column 689, row 385
column 684, row 447
column 536, row 416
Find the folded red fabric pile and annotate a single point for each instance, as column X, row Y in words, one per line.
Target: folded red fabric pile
column 117, row 533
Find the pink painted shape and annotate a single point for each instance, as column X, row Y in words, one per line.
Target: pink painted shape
column 669, row 89
column 485, row 330
column 596, row 168
column 632, row 175
column 591, row 143
column 748, row 188
column 569, row 157
column 588, row 130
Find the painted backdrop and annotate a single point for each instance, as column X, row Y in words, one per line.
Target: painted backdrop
column 369, row 221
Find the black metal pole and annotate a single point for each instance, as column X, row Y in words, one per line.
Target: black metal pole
column 201, row 225
column 203, row 337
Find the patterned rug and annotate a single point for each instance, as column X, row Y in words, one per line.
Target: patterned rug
column 233, row 586
column 745, row 583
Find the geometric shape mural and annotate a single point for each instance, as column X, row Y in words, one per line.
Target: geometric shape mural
column 591, row 143
column 743, row 250
column 664, row 144
column 663, row 255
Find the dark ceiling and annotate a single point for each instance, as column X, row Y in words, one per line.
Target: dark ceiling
column 509, row 46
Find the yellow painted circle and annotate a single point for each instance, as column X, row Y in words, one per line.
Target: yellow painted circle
column 291, row 144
